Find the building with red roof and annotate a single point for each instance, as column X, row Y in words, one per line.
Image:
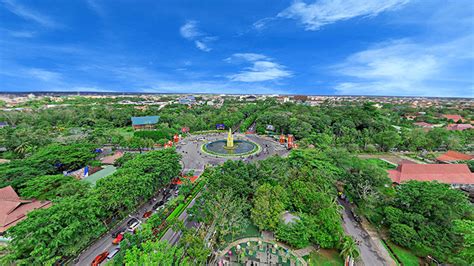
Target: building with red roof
column 454, row 174
column 458, row 127
column 13, row 209
column 455, row 118
column 423, row 124
column 454, row 156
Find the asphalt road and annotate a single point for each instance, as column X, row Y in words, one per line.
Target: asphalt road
column 173, row 237
column 105, row 243
column 193, row 159
column 368, row 251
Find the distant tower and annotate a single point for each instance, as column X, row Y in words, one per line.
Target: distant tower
column 230, row 140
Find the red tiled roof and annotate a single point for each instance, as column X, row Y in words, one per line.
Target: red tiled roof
column 423, row 124
column 454, row 156
column 13, row 209
column 455, row 118
column 443, row 173
column 458, row 126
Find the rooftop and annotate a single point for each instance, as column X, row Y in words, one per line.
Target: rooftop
column 145, row 120
column 454, row 156
column 443, row 173
column 13, row 209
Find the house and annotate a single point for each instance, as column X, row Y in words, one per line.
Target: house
column 457, row 175
column 458, row 127
column 145, row 122
column 455, row 118
column 250, row 98
column 13, row 209
column 188, row 100
column 454, row 156
column 423, row 124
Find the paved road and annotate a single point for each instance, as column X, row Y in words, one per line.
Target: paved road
column 368, row 250
column 105, row 243
column 173, row 237
column 194, row 158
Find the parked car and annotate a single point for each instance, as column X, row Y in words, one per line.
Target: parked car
column 100, row 258
column 147, row 214
column 118, row 239
column 113, row 253
column 131, row 221
column 133, row 226
column 158, row 204
column 176, row 193
column 116, row 233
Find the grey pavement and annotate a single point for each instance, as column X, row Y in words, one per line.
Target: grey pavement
column 370, row 255
column 105, row 242
column 192, row 159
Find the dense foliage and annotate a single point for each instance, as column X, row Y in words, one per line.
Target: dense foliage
column 49, row 160
column 238, row 193
column 62, row 230
column 423, row 215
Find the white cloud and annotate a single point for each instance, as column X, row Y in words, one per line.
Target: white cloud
column 190, row 31
column 247, row 57
column 262, row 69
column 202, row 46
column 404, row 67
column 96, row 7
column 44, row 75
column 323, row 12
column 29, row 14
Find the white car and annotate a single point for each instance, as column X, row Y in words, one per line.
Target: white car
column 133, row 226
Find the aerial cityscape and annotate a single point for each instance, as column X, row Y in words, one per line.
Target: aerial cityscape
column 319, row 132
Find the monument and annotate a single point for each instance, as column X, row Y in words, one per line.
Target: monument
column 230, row 140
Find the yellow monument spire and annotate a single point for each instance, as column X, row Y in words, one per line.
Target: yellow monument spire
column 230, row 139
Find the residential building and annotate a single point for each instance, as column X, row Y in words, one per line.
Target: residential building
column 453, row 157
column 455, row 118
column 459, row 127
column 457, row 175
column 188, row 100
column 13, row 209
column 145, row 122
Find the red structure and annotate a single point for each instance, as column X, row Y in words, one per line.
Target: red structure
column 185, row 129
column 282, row 139
column 291, row 143
column 176, row 138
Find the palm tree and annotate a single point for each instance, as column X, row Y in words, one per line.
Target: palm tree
column 23, row 148
column 349, row 248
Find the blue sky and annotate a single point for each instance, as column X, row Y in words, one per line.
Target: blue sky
column 350, row 47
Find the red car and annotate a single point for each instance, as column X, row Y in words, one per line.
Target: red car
column 118, row 239
column 147, row 214
column 100, row 258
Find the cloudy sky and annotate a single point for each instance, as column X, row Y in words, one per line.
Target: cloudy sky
column 350, row 47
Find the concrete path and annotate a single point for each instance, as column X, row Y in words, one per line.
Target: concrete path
column 371, row 249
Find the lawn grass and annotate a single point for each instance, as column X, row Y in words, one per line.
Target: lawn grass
column 404, row 255
column 324, row 257
column 250, row 231
column 381, row 163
